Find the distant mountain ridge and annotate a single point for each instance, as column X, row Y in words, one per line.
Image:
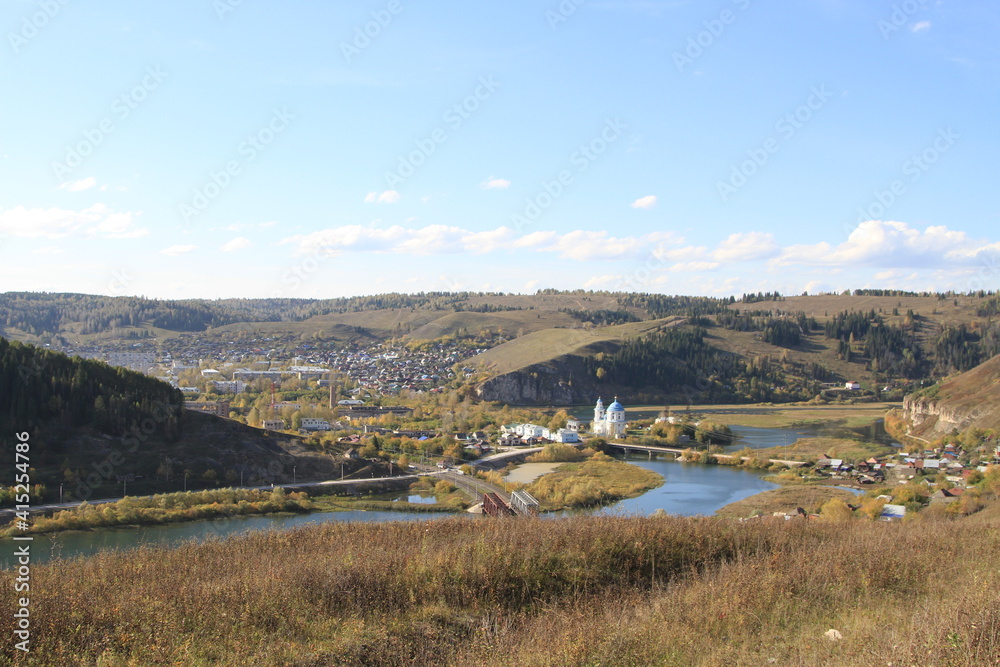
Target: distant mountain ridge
column 762, row 347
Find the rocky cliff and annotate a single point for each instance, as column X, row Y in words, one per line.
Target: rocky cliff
column 971, row 399
column 559, row 382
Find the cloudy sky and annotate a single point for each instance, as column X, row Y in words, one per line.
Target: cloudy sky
column 253, row 148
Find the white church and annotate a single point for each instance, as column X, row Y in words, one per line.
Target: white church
column 610, row 423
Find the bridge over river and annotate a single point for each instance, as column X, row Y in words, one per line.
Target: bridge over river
column 627, row 447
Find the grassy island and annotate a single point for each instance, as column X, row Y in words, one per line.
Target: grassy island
column 169, row 508
column 597, row 480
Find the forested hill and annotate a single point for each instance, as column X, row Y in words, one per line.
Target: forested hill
column 43, row 313
column 50, row 391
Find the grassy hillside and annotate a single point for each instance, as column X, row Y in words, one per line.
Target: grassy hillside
column 91, row 425
column 788, row 345
column 509, row 323
column 579, row 591
column 548, row 344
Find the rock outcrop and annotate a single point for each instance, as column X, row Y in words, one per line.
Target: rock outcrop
column 971, row 399
column 559, row 382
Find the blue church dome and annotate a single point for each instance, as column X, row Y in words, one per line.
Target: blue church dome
column 616, row 407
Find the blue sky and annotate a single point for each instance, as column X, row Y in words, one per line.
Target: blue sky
column 217, row 148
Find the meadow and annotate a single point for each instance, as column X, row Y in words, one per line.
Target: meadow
column 577, row 591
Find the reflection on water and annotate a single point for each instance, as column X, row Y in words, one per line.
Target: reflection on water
column 416, row 499
column 690, row 489
column 87, row 543
column 760, row 438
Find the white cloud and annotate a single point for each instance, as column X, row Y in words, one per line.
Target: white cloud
column 48, row 250
column 692, row 267
column 175, row 250
column 495, row 184
column 746, row 246
column 588, row 245
column 97, row 220
column 647, row 202
column 607, row 281
column 236, row 244
column 81, row 185
column 433, row 239
column 890, row 244
column 921, row 26
column 387, row 197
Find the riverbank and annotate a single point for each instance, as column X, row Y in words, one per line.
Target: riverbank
column 167, row 508
column 787, row 499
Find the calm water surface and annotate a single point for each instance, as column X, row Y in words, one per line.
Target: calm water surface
column 689, row 489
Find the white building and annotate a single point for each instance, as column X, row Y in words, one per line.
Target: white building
column 230, row 386
column 852, row 386
column 314, row 424
column 561, row 435
column 530, row 430
column 610, row 423
column 274, row 424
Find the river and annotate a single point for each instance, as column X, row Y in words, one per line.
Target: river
column 689, row 489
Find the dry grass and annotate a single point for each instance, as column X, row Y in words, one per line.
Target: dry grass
column 779, row 416
column 786, row 499
column 810, row 449
column 548, row 344
column 581, row 591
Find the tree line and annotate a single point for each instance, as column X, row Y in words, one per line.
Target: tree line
column 47, row 390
